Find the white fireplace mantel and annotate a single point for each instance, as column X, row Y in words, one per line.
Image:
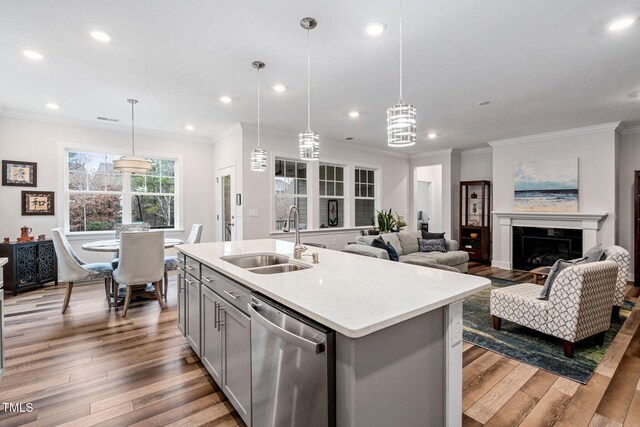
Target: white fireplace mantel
column 589, row 223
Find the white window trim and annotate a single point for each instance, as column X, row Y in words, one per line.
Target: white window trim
column 313, row 192
column 346, row 194
column 63, row 184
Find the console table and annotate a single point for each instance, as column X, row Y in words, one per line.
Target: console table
column 30, row 264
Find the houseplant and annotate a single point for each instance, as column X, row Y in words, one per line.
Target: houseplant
column 386, row 221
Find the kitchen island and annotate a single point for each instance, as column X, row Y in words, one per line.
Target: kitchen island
column 398, row 327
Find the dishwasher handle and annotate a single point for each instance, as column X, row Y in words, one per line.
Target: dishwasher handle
column 297, row 340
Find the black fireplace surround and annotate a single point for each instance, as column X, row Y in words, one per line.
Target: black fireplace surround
column 536, row 247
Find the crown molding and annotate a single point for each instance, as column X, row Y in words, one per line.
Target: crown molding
column 236, row 128
column 630, row 130
column 444, row 152
column 110, row 127
column 246, row 127
column 586, row 130
column 477, row 151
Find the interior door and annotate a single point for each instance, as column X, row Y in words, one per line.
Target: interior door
column 227, row 213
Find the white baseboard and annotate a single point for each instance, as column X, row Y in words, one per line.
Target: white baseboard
column 501, row 264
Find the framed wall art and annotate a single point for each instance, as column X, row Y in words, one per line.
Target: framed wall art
column 38, row 203
column 332, row 213
column 17, row 173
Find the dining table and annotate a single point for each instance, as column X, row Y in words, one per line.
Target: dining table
column 113, row 245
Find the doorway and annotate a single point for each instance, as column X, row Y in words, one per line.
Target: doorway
column 428, row 197
column 227, row 211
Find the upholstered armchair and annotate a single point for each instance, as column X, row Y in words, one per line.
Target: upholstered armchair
column 578, row 307
column 621, row 257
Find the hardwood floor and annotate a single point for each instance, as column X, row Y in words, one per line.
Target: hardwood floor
column 93, row 367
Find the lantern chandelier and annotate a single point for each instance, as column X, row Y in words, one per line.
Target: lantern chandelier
column 309, row 141
column 401, row 118
column 132, row 164
column 258, row 155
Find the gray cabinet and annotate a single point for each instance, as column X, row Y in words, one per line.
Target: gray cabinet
column 237, row 359
column 211, row 347
column 182, row 302
column 192, row 319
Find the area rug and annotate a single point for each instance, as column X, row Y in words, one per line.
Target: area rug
column 531, row 347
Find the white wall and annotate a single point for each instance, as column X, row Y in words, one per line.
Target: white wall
column 432, row 174
column 35, row 141
column 257, row 186
column 227, row 152
column 476, row 165
column 629, row 161
column 595, row 149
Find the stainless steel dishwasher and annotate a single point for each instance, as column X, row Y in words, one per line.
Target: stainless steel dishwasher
column 292, row 368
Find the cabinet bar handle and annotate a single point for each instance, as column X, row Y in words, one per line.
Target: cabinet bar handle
column 188, row 267
column 191, row 282
column 230, row 293
column 215, row 314
column 220, row 310
column 206, row 279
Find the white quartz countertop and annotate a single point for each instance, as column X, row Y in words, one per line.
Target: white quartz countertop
column 352, row 294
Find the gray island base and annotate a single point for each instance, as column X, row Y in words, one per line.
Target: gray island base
column 398, row 328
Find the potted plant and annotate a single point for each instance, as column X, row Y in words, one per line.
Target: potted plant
column 374, row 231
column 386, row 221
column 400, row 222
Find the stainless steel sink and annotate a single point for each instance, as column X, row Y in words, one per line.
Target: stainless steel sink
column 255, row 260
column 282, row 268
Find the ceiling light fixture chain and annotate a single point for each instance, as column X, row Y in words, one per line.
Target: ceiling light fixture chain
column 258, row 156
column 401, row 59
column 133, row 137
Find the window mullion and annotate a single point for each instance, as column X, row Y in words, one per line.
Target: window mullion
column 126, row 198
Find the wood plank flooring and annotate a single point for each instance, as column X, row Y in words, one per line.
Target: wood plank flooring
column 92, row 367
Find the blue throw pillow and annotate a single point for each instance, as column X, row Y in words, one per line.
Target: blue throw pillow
column 380, row 243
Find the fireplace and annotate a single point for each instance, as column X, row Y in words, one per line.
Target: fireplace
column 536, row 247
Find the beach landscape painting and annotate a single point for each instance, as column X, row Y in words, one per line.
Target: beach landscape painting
column 546, row 186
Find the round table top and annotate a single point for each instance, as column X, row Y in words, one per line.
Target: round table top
column 114, row 245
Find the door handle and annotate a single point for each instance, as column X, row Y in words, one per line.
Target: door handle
column 297, row 340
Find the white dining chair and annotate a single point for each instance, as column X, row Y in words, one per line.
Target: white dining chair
column 171, row 262
column 72, row 269
column 141, row 262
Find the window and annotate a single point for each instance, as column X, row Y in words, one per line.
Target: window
column 365, row 196
column 290, row 188
column 331, row 188
column 99, row 196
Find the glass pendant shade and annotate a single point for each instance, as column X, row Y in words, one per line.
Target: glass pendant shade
column 258, row 160
column 401, row 125
column 309, row 144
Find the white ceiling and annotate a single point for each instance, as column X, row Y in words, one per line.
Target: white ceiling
column 545, row 65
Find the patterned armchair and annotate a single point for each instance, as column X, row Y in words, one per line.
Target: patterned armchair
column 621, row 257
column 578, row 307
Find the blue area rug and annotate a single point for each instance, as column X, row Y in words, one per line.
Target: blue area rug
column 531, row 347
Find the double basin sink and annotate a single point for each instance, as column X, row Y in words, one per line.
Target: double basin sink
column 264, row 263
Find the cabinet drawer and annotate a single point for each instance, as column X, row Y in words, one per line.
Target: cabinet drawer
column 474, row 253
column 232, row 292
column 192, row 267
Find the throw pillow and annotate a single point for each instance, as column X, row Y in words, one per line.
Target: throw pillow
column 432, row 245
column 394, row 240
column 594, row 254
column 427, row 235
column 554, row 272
column 380, row 243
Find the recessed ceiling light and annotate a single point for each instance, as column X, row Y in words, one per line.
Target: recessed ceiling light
column 53, row 106
column 483, row 103
column 189, row 127
column 375, row 28
column 432, row 135
column 349, row 138
column 354, row 114
column 279, row 88
column 32, row 54
column 225, row 99
column 100, row 35
column 621, row 23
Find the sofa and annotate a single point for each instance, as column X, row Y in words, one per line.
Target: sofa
column 406, row 244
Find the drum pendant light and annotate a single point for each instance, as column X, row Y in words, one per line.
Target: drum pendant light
column 309, row 141
column 258, row 155
column 401, row 118
column 132, row 163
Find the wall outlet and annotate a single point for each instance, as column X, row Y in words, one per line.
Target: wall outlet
column 253, row 212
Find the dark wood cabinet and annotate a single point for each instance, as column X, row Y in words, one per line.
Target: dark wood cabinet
column 475, row 219
column 636, row 228
column 30, row 264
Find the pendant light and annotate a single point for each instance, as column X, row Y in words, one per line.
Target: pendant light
column 401, row 118
column 132, row 163
column 309, row 141
column 258, row 155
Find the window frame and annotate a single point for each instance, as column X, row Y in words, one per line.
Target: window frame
column 126, row 194
column 344, row 198
column 377, row 174
column 311, row 190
